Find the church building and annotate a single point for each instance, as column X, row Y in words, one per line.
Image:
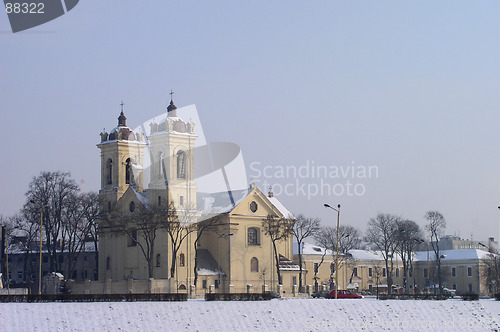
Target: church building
column 164, row 230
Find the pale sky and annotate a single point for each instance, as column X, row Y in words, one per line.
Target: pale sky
column 411, row 88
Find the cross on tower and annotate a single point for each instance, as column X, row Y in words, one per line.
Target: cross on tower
column 171, row 95
column 122, row 105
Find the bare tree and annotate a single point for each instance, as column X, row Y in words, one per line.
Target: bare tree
column 302, row 229
column 324, row 239
column 381, row 233
column 349, row 238
column 277, row 229
column 436, row 225
column 408, row 237
column 200, row 228
column 491, row 272
column 178, row 224
column 52, row 192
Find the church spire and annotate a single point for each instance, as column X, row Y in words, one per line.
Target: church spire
column 122, row 120
column 172, row 109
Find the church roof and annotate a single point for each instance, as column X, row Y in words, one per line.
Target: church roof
column 207, row 265
column 220, row 202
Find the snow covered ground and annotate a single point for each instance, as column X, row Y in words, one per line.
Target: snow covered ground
column 282, row 315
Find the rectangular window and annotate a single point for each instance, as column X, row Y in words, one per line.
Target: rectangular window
column 132, row 238
column 370, row 272
column 425, row 273
column 294, row 281
column 20, row 275
column 181, row 200
column 453, row 272
column 355, row 272
column 159, row 200
column 316, row 267
column 204, row 284
column 455, row 286
column 470, row 288
column 469, row 271
column 397, row 272
column 383, row 272
column 253, row 236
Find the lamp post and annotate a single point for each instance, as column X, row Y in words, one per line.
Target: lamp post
column 40, row 265
column 337, row 255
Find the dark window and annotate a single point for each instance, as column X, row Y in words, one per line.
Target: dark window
column 109, row 171
column 108, row 263
column 397, row 272
column 204, row 284
column 254, row 265
column 453, row 272
column 74, row 274
column 370, row 272
column 253, row 206
column 85, row 275
column 470, row 288
column 355, row 271
column 132, row 239
column 469, row 271
column 158, row 260
column 131, row 206
column 425, row 273
column 316, row 267
column 182, row 260
column 181, row 200
column 455, row 286
column 182, row 287
column 159, row 200
column 129, row 176
column 181, row 164
column 383, row 272
column 20, row 275
column 253, row 236
column 109, row 206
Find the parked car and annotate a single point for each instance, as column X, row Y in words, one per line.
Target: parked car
column 343, row 294
column 320, row 294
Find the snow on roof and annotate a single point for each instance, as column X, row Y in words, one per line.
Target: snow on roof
column 142, row 197
column 366, row 255
column 311, row 249
column 280, row 207
column 453, row 255
column 220, row 202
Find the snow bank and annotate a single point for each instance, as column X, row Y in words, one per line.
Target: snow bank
column 282, row 315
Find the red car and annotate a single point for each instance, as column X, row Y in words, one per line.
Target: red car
column 343, row 294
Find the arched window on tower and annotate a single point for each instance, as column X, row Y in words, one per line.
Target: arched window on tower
column 182, row 260
column 129, row 176
column 108, row 263
column 254, row 264
column 160, row 166
column 181, row 164
column 109, row 171
column 158, row 260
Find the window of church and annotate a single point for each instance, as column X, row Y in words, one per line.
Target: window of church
column 131, row 207
column 129, row 176
column 159, row 200
column 158, row 260
column 254, row 265
column 181, row 164
column 253, row 207
column 253, row 236
column 182, row 261
column 204, row 284
column 109, row 171
column 108, row 263
column 132, row 238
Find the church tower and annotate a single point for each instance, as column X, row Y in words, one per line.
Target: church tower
column 122, row 154
column 172, row 162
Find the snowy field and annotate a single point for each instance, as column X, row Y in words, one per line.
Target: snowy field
column 281, row 315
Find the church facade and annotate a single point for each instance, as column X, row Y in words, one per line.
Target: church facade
column 164, row 230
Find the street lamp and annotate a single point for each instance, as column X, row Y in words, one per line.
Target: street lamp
column 40, row 266
column 337, row 256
